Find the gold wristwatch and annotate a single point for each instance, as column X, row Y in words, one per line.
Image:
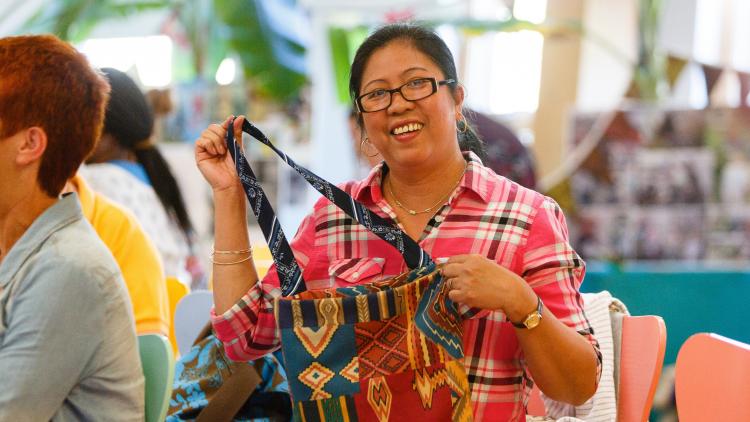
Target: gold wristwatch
column 533, row 319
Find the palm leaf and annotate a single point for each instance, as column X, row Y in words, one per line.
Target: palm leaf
column 253, row 43
column 73, row 20
column 213, row 28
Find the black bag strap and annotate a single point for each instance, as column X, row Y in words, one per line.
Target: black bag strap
column 290, row 274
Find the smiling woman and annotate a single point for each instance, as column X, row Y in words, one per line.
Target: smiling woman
column 415, row 134
column 505, row 247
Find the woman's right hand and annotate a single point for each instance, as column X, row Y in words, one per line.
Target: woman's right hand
column 211, row 155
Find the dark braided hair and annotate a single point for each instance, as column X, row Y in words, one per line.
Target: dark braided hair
column 130, row 121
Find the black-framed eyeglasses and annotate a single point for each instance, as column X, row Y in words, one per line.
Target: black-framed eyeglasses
column 414, row 90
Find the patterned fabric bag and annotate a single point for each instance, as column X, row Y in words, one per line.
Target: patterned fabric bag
column 210, row 387
column 373, row 352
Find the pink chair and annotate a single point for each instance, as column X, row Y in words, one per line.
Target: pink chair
column 535, row 406
column 644, row 340
column 712, row 379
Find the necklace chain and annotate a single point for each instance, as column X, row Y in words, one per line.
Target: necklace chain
column 426, row 210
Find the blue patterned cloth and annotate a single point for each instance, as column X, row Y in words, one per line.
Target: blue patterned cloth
column 202, row 371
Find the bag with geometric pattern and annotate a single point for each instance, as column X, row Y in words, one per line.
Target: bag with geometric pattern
column 370, row 352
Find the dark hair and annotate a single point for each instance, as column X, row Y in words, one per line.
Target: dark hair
column 130, row 121
column 430, row 44
column 469, row 140
column 423, row 39
column 45, row 82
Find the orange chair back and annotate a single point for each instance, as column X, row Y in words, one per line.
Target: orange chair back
column 262, row 259
column 644, row 340
column 712, row 379
column 175, row 290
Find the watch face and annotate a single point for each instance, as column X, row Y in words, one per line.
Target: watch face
column 533, row 320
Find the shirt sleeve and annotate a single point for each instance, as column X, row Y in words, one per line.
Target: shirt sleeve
column 248, row 329
column 555, row 271
column 53, row 329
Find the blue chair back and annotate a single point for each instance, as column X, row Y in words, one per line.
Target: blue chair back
column 190, row 316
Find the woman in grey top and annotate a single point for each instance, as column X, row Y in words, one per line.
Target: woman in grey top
column 68, row 349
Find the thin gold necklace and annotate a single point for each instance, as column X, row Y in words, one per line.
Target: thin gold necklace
column 426, row 210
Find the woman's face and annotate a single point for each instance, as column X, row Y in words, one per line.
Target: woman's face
column 410, row 133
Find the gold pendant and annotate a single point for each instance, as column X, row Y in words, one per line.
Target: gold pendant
column 412, row 212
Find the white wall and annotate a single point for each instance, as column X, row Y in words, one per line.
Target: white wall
column 608, row 52
column 13, row 14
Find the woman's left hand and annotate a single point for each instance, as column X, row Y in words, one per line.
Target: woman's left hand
column 479, row 282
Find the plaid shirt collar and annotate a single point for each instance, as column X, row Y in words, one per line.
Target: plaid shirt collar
column 476, row 179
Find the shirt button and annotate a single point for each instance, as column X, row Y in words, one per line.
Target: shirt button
column 355, row 275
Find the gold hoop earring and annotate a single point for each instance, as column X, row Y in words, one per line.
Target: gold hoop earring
column 361, row 149
column 462, row 125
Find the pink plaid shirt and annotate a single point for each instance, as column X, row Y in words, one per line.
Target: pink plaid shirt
column 487, row 214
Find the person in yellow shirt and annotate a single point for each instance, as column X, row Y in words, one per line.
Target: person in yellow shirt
column 135, row 255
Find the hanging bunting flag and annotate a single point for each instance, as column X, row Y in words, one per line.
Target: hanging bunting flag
column 394, row 16
column 744, row 78
column 645, row 122
column 633, row 91
column 622, row 130
column 675, row 65
column 711, row 74
column 562, row 193
column 724, row 89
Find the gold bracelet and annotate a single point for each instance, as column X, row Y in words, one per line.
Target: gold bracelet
column 232, row 262
column 237, row 252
